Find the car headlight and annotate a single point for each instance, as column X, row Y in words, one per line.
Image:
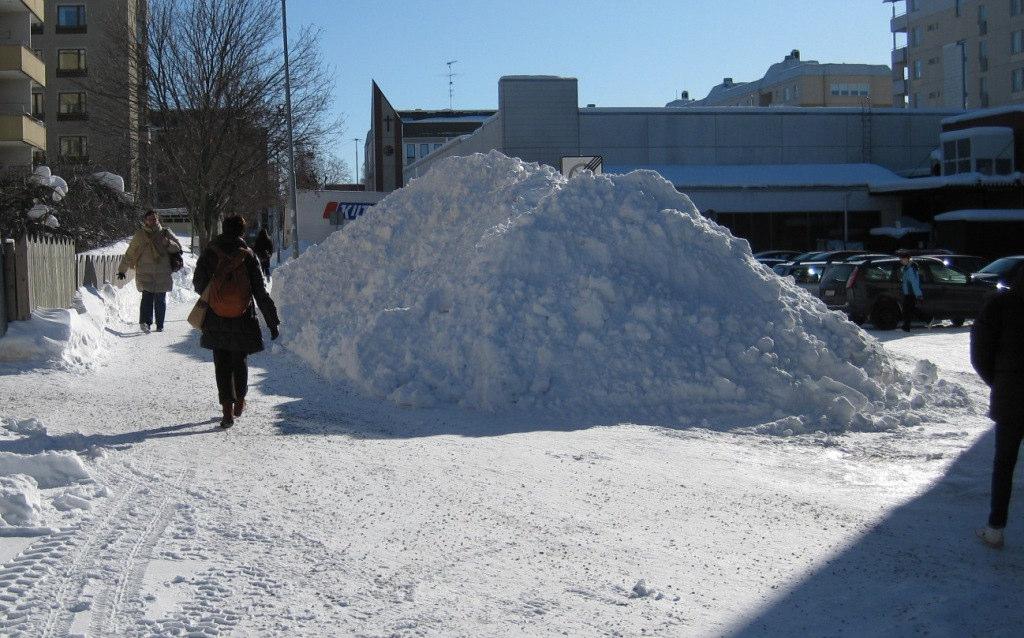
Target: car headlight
column 1001, row 286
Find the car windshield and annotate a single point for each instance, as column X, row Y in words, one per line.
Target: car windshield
column 1001, row 266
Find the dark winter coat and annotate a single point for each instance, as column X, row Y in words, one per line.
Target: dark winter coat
column 238, row 334
column 997, row 352
column 263, row 247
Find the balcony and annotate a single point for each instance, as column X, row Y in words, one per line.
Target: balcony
column 19, row 128
column 899, row 87
column 899, row 56
column 17, row 62
column 899, row 24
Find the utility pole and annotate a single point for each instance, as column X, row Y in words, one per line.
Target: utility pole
column 291, row 140
column 356, row 140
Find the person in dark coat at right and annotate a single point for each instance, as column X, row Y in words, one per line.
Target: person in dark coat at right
column 264, row 249
column 233, row 339
column 997, row 353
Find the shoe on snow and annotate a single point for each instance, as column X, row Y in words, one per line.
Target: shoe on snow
column 144, row 327
column 991, row 536
column 226, row 423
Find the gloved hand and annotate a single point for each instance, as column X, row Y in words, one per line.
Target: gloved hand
column 120, row 276
column 275, row 332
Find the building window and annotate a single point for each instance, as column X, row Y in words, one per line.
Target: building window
column 1016, row 42
column 915, row 100
column 956, row 156
column 71, row 62
column 70, row 18
column 39, row 105
column 1015, row 7
column 424, row 150
column 917, row 69
column 1017, row 80
column 957, row 7
column 74, row 147
column 437, row 145
column 71, row 106
column 982, row 20
column 914, row 37
column 785, row 94
column 410, row 153
column 911, row 5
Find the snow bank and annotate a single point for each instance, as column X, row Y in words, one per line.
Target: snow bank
column 492, row 283
column 35, row 487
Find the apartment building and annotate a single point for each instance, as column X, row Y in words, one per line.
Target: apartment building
column 963, row 54
column 796, row 82
column 20, row 70
column 85, row 129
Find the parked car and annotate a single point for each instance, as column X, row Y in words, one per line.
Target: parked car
column 824, row 256
column 781, row 255
column 771, row 263
column 871, row 292
column 808, row 274
column 967, row 264
column 1000, row 272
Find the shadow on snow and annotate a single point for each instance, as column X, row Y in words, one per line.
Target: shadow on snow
column 919, row 571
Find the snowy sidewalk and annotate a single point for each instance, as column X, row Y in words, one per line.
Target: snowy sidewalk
column 325, row 513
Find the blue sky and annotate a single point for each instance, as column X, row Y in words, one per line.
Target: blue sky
column 640, row 53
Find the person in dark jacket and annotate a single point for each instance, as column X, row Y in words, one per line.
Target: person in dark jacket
column 233, row 339
column 997, row 353
column 264, row 249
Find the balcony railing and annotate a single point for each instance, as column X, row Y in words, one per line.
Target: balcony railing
column 899, row 24
column 21, row 127
column 899, row 56
column 15, row 57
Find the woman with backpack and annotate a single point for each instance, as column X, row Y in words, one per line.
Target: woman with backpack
column 154, row 253
column 228, row 275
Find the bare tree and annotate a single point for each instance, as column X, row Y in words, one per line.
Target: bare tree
column 212, row 88
column 318, row 168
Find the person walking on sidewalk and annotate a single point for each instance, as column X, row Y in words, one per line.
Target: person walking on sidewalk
column 150, row 253
column 997, row 354
column 264, row 249
column 910, row 289
column 230, row 327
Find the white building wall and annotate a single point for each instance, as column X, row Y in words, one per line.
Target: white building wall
column 313, row 228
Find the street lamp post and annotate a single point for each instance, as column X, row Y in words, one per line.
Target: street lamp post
column 291, row 140
column 356, row 140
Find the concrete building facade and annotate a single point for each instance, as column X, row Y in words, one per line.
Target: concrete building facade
column 796, row 82
column 782, row 177
column 85, row 130
column 21, row 134
column 963, row 54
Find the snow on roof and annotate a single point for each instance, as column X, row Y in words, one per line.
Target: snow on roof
column 452, row 118
column 762, row 110
column 975, row 131
column 980, row 113
column 982, row 215
column 766, row 175
column 944, row 181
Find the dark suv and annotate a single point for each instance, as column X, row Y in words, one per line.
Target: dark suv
column 870, row 291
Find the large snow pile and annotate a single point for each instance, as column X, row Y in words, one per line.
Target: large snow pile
column 493, row 283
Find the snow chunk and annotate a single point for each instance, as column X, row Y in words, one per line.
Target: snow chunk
column 20, row 502
column 607, row 295
column 49, row 469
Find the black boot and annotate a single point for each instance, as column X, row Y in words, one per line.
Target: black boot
column 228, row 419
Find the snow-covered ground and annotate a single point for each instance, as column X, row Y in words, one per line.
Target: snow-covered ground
column 825, row 483
column 327, row 513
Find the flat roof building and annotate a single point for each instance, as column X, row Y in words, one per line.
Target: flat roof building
column 796, row 82
column 786, row 177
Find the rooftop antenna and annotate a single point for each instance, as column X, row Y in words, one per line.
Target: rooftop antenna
column 451, row 84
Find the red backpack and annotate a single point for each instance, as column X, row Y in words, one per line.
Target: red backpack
column 230, row 291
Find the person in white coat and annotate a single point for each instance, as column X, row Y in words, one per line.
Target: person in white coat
column 149, row 254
